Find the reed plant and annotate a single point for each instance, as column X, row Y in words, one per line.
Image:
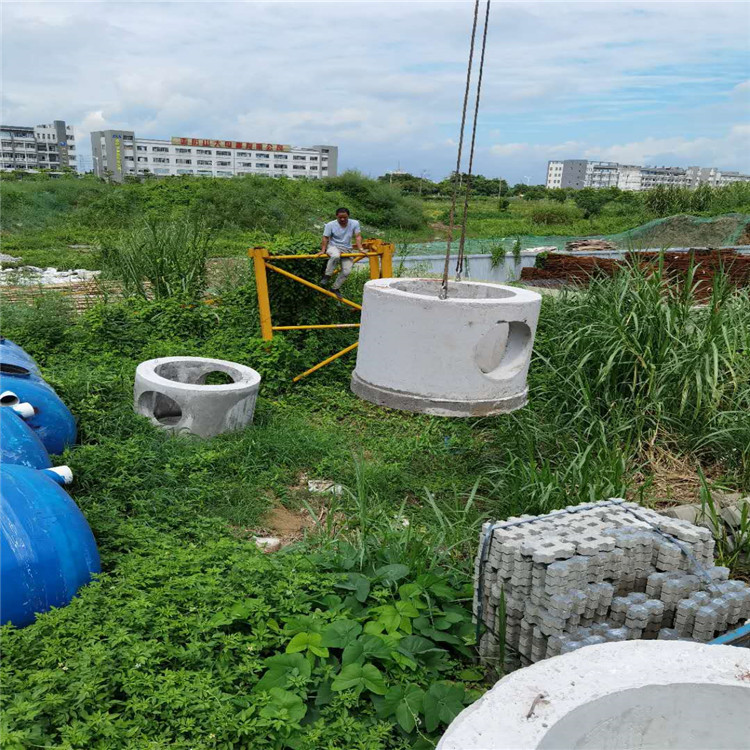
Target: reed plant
column 159, row 259
column 650, row 351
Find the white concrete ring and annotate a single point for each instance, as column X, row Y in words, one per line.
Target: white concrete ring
column 650, row 695
column 467, row 355
column 172, row 392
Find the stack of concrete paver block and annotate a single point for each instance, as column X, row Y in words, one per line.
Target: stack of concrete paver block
column 598, row 572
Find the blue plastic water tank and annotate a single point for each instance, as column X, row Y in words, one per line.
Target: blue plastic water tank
column 47, row 550
column 13, row 357
column 52, row 420
column 19, row 444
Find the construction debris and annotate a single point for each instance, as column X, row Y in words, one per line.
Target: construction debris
column 590, row 245
column 35, row 276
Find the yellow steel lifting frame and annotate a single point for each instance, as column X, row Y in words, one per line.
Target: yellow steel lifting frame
column 380, row 257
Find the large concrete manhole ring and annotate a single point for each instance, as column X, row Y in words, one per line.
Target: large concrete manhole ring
column 630, row 695
column 467, row 355
column 196, row 395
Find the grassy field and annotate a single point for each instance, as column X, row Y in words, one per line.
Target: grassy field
column 547, row 218
column 359, row 634
column 65, row 223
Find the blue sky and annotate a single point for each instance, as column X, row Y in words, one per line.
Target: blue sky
column 643, row 83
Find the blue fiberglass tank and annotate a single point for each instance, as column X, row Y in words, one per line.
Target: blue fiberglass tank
column 52, row 420
column 19, row 444
column 47, row 550
column 13, row 356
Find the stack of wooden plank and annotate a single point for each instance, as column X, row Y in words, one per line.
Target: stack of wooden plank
column 589, row 245
column 577, row 270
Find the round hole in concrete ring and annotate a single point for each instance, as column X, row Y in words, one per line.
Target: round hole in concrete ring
column 653, row 717
column 158, row 406
column 216, row 377
column 465, row 290
column 194, row 372
column 504, row 349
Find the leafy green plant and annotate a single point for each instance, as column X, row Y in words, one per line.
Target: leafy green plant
column 497, row 255
column 730, row 551
column 517, row 250
column 259, row 651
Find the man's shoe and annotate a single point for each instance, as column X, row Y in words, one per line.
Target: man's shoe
column 338, row 294
column 324, row 280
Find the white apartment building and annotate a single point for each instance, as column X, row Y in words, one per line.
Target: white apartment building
column 31, row 148
column 119, row 153
column 568, row 173
column 581, row 173
column 601, row 174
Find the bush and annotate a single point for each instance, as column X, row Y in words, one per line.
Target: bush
column 552, row 212
column 239, row 211
column 42, row 326
column 640, row 345
column 204, row 642
column 377, row 203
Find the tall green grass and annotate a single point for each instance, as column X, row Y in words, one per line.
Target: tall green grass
column 626, row 367
column 653, row 352
column 160, row 259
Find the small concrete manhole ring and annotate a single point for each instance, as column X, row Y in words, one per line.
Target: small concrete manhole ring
column 196, row 395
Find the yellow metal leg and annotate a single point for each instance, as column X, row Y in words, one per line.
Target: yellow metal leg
column 327, row 361
column 326, row 325
column 374, row 267
column 386, row 261
column 264, row 305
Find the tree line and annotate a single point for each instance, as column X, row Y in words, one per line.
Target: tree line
column 662, row 200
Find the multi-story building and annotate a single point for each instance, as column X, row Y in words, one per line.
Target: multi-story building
column 32, row 148
column 119, row 153
column 601, row 174
column 581, row 173
column 569, row 173
column 727, row 178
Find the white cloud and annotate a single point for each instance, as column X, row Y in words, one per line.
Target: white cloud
column 535, row 150
column 729, row 150
column 384, row 80
column 94, row 121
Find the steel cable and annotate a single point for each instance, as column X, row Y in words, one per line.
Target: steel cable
column 460, row 260
column 457, row 175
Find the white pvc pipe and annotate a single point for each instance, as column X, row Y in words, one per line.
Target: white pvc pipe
column 8, row 398
column 24, row 410
column 62, row 474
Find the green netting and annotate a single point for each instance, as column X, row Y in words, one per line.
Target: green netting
column 684, row 230
column 673, row 231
